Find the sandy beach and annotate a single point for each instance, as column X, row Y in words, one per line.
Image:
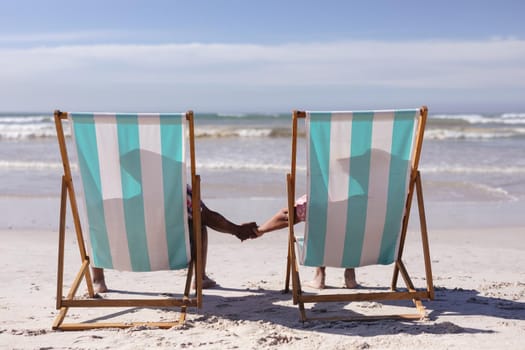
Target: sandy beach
column 478, row 274
column 245, row 71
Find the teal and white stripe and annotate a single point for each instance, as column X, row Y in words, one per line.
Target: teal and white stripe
column 133, row 175
column 358, row 172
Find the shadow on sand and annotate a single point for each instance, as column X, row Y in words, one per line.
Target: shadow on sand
column 275, row 307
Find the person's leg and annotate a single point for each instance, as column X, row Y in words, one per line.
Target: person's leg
column 99, row 282
column 219, row 223
column 350, row 281
column 206, row 281
column 320, row 277
column 318, row 281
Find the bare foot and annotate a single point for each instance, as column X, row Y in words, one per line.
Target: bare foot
column 319, row 279
column 350, row 281
column 99, row 281
column 207, row 283
column 99, row 286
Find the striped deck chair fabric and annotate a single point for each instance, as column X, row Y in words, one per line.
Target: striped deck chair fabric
column 133, row 175
column 133, row 184
column 359, row 167
column 362, row 173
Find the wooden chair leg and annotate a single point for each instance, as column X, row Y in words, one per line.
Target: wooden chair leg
column 288, row 271
column 424, row 236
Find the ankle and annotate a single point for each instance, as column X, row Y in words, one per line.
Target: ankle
column 350, row 281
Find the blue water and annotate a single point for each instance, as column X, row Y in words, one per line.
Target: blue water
column 472, row 157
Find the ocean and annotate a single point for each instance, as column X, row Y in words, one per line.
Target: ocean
column 469, row 158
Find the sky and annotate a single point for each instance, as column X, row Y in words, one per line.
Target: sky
column 266, row 56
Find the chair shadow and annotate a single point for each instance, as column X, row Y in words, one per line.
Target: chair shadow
column 113, row 294
column 264, row 305
column 458, row 301
column 470, row 302
column 275, row 307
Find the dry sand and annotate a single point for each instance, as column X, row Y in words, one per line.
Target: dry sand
column 480, row 297
column 479, row 276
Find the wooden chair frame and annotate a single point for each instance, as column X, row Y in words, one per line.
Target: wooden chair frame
column 63, row 303
column 292, row 270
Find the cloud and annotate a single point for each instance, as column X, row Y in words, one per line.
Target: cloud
column 34, row 38
column 414, row 64
column 128, row 70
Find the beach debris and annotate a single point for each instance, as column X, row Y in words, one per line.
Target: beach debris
column 28, row 332
column 274, row 339
column 444, row 328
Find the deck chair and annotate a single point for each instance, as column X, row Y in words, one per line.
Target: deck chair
column 133, row 177
column 362, row 172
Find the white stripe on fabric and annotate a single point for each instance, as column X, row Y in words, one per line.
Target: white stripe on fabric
column 110, row 178
column 409, row 170
column 80, row 188
column 338, row 182
column 185, row 142
column 152, row 190
column 378, row 186
column 302, row 247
